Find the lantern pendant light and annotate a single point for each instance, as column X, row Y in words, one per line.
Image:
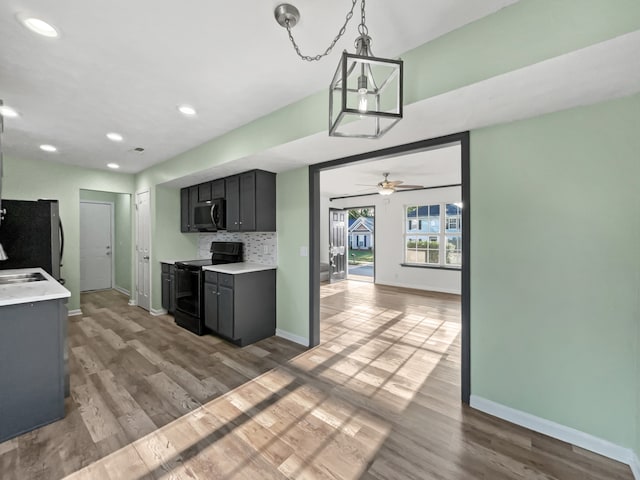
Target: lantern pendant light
column 365, row 94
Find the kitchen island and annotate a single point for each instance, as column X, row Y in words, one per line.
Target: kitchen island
column 33, row 323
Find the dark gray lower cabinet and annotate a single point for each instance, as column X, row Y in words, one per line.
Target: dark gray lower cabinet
column 241, row 307
column 32, row 365
column 211, row 301
column 168, row 287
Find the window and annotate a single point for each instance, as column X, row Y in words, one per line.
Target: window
column 426, row 242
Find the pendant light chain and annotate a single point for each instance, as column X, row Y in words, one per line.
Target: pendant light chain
column 335, row 40
column 362, row 28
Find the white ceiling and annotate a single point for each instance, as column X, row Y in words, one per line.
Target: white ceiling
column 431, row 168
column 125, row 65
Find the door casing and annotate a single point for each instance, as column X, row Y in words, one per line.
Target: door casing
column 143, row 249
column 314, row 237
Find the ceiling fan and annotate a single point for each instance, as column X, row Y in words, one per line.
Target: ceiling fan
column 387, row 187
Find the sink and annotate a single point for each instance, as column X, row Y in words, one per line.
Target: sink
column 14, row 278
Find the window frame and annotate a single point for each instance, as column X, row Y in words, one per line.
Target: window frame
column 444, row 221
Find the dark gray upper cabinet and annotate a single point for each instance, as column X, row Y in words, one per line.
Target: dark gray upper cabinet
column 185, row 211
column 217, row 189
column 233, row 203
column 251, row 202
column 204, row 192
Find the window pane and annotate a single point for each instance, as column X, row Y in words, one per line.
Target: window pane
column 453, row 209
column 454, row 250
column 453, row 219
column 412, row 226
column 434, row 225
column 434, row 210
column 412, row 212
column 432, row 246
column 423, row 211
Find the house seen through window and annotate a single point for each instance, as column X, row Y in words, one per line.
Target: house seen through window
column 433, row 234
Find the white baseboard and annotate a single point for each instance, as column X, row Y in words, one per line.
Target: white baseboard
column 122, row 290
column 74, row 313
column 418, row 287
column 292, row 337
column 133, row 303
column 157, row 312
column 558, row 431
column 635, row 466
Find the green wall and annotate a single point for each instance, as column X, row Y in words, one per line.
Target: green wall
column 555, row 264
column 124, row 242
column 31, row 179
column 168, row 242
column 122, row 222
column 292, row 203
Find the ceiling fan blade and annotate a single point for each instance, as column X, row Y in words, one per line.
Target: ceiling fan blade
column 410, row 186
column 394, row 182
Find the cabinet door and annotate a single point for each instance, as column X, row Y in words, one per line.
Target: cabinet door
column 204, row 192
column 172, row 293
column 225, row 311
column 217, row 189
column 184, row 210
column 166, row 291
column 193, row 200
column 248, row 202
column 211, row 306
column 233, row 203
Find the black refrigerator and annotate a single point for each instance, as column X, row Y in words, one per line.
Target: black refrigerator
column 32, row 236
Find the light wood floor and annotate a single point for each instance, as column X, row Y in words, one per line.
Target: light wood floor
column 379, row 399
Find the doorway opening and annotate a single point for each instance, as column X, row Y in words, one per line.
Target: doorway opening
column 361, row 244
column 415, row 221
column 105, row 241
column 96, row 245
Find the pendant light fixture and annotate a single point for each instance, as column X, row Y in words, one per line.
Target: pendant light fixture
column 365, row 94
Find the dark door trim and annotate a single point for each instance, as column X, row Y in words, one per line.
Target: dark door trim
column 314, row 238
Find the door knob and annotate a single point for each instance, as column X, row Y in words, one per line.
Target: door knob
column 108, row 253
column 146, row 257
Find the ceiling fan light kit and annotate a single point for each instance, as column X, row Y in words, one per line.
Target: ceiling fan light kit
column 387, row 187
column 365, row 94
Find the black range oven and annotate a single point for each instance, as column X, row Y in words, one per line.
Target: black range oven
column 189, row 311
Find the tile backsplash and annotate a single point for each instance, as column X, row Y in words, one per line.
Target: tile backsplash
column 259, row 247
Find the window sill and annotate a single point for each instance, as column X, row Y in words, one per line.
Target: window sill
column 432, row 267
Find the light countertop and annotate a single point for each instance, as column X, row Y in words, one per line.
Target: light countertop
column 236, row 268
column 27, row 292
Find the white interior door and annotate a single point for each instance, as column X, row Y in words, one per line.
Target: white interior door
column 143, row 228
column 96, row 249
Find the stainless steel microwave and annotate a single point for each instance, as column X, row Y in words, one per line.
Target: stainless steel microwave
column 210, row 217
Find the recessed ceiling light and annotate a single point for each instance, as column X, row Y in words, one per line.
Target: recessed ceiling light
column 7, row 111
column 187, row 110
column 113, row 165
column 48, row 148
column 40, row 27
column 116, row 137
